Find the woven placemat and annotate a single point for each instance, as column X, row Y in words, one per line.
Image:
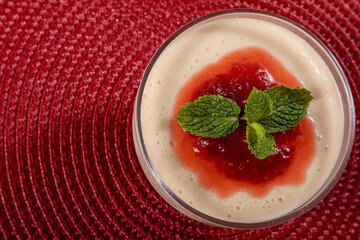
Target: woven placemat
column 69, row 73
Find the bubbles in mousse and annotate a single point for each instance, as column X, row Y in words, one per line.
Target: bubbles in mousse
column 213, row 45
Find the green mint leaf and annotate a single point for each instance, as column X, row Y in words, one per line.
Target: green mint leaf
column 274, row 110
column 209, row 116
column 259, row 105
column 261, row 144
column 289, row 107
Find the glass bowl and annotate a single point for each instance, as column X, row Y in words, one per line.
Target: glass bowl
column 343, row 90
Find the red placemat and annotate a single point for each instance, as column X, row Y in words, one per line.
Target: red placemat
column 69, row 73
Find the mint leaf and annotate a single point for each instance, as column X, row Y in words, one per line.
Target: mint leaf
column 281, row 94
column 274, row 110
column 258, row 106
column 289, row 107
column 261, row 144
column 209, row 116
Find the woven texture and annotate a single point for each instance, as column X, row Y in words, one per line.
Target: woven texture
column 69, row 73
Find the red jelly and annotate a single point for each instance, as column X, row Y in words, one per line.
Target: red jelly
column 225, row 164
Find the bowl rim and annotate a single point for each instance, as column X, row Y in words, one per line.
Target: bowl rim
column 343, row 155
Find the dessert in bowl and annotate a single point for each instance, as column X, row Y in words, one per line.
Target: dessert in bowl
column 219, row 181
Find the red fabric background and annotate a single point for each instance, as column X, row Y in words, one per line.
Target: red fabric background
column 69, row 73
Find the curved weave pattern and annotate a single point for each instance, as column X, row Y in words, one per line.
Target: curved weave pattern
column 69, row 73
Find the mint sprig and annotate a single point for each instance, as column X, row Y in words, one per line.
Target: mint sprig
column 209, row 116
column 274, row 110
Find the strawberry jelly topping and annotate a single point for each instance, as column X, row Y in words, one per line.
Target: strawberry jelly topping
column 230, row 154
column 226, row 165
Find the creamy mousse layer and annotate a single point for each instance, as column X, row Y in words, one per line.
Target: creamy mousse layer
column 206, row 44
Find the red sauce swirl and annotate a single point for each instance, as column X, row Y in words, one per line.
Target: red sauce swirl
column 225, row 164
